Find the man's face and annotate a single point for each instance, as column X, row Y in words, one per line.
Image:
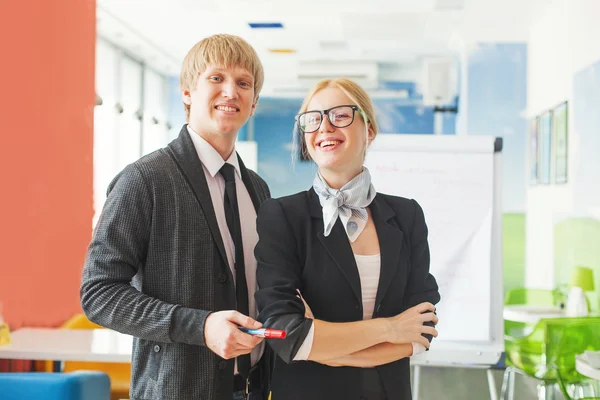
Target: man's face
column 222, row 100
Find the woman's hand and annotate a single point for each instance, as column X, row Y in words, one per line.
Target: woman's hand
column 408, row 327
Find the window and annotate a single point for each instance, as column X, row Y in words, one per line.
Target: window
column 132, row 118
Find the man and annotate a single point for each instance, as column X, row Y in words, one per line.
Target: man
column 163, row 264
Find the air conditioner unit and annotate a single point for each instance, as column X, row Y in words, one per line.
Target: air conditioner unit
column 439, row 84
column 365, row 73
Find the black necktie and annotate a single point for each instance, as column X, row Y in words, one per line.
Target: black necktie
column 232, row 215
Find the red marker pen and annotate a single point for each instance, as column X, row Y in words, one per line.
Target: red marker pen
column 264, row 332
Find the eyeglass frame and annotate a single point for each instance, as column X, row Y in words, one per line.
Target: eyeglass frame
column 326, row 113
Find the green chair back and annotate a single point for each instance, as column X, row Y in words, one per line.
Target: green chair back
column 551, row 348
column 575, row 339
column 533, row 297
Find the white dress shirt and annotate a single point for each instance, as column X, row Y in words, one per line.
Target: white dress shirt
column 212, row 163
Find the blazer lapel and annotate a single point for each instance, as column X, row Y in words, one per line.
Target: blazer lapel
column 338, row 247
column 257, row 196
column 184, row 152
column 390, row 244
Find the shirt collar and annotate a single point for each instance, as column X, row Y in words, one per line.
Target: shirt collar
column 210, row 157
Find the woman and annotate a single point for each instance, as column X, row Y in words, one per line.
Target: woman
column 360, row 259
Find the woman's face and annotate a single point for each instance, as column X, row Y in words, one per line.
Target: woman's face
column 332, row 148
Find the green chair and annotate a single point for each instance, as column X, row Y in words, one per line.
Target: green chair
column 514, row 329
column 530, row 297
column 533, row 297
column 541, row 354
column 576, row 339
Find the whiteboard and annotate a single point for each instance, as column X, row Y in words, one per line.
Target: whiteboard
column 456, row 180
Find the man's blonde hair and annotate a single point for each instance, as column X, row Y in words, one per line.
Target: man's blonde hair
column 356, row 93
column 221, row 50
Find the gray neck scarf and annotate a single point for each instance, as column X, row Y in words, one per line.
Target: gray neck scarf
column 349, row 203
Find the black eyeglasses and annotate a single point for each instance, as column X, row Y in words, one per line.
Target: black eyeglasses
column 340, row 117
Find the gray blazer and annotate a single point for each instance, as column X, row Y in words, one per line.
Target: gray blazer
column 155, row 269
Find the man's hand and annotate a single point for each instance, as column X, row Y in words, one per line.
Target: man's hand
column 223, row 337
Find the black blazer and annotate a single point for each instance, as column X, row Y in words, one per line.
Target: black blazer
column 292, row 253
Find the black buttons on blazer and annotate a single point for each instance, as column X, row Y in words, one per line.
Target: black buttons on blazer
column 222, row 278
column 223, row 364
column 156, row 348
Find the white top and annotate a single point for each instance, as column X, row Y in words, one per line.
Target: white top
column 212, row 163
column 103, row 345
column 369, row 268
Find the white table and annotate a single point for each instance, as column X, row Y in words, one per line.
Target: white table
column 531, row 314
column 103, row 345
column 584, row 368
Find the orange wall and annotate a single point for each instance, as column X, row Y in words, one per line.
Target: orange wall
column 46, row 138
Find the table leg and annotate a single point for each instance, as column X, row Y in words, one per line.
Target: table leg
column 416, row 379
column 492, row 385
column 511, row 385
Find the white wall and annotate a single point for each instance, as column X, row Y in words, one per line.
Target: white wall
column 562, row 42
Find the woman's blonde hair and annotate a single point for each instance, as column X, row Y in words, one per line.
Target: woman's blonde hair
column 221, row 50
column 351, row 89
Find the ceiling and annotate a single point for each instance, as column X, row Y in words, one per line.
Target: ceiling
column 399, row 34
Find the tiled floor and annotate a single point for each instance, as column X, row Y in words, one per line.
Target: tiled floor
column 470, row 384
